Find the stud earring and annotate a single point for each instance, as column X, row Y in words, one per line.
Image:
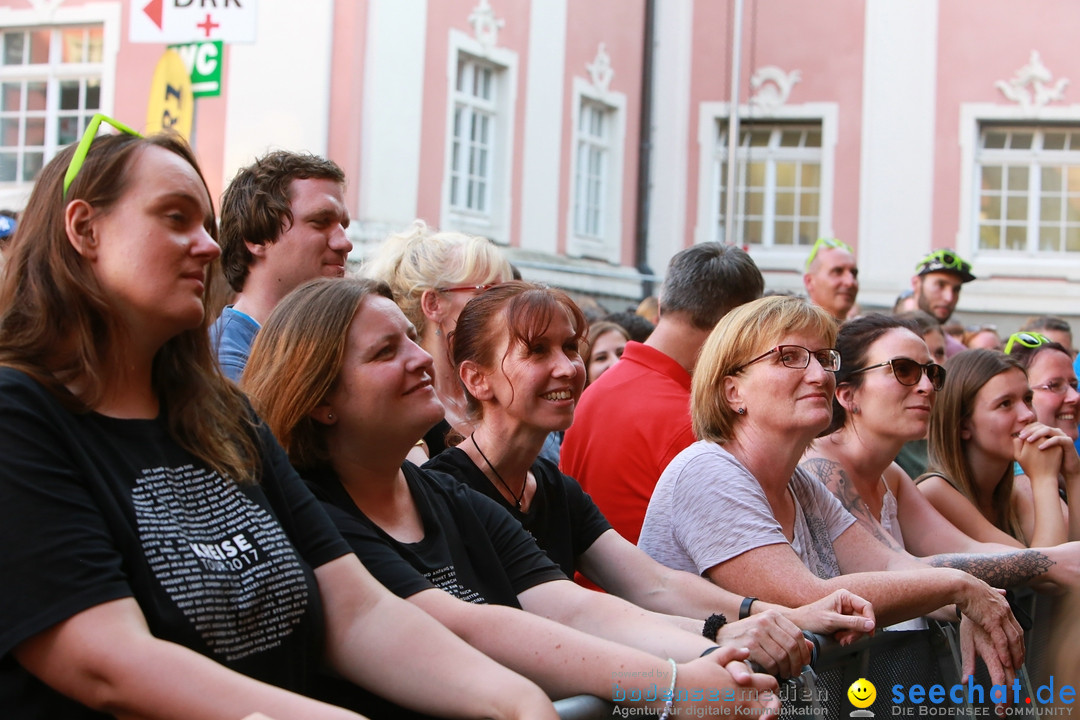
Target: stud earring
column 329, row 416
column 855, row 410
column 741, row 411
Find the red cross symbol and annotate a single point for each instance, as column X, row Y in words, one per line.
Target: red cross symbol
column 208, row 24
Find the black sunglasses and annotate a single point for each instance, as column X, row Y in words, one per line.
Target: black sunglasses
column 908, row 372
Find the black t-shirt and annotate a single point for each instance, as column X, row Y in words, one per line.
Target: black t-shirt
column 472, row 548
column 562, row 517
column 95, row 509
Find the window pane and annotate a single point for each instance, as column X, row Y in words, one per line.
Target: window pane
column 1015, row 237
column 69, row 95
column 1049, row 238
column 807, row 233
column 808, row 204
column 39, row 46
column 994, row 140
column 1072, row 239
column 67, row 130
column 991, row 207
column 813, row 139
column 989, row 237
column 991, row 177
column 785, row 204
column 35, row 132
column 785, row 175
column 95, row 44
column 14, row 44
column 73, row 45
column 32, row 164
column 8, row 164
column 1020, row 140
column 35, row 96
column 9, row 132
column 811, row 176
column 1054, row 141
column 760, row 138
column 10, row 96
column 785, row 233
column 462, row 71
column 755, row 203
column 93, row 95
column 1051, row 178
column 756, row 175
column 752, row 232
column 1050, row 208
column 1018, row 178
column 1016, row 209
column 790, row 138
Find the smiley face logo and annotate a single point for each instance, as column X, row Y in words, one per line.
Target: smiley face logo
column 862, row 693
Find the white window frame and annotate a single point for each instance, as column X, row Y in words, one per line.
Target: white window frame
column 1004, row 263
column 494, row 224
column 772, row 257
column 107, row 15
column 607, row 244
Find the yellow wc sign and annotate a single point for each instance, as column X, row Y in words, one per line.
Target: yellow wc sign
column 172, row 105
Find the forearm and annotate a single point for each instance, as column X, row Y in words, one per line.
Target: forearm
column 563, row 660
column 446, row 676
column 615, row 619
column 106, row 659
column 1072, row 492
column 1050, row 528
column 1002, row 570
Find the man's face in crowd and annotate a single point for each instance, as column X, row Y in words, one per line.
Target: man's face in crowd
column 832, row 281
column 937, row 293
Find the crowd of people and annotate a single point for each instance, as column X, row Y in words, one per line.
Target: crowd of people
column 428, row 488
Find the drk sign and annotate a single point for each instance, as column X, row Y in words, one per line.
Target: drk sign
column 181, row 21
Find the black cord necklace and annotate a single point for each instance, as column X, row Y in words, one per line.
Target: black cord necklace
column 517, row 498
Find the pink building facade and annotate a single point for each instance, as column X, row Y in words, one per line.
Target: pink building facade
column 899, row 126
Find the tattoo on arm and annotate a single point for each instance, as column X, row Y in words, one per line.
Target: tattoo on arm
column 832, row 475
column 1001, row 570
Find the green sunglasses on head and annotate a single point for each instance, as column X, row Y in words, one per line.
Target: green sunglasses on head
column 84, row 145
column 1027, row 339
column 829, row 244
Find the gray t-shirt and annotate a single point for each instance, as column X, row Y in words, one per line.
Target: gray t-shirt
column 707, row 508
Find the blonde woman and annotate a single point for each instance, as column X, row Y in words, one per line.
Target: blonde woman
column 432, row 275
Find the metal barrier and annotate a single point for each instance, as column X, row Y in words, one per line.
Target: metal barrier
column 905, row 658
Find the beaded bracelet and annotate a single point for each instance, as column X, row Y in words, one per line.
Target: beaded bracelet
column 670, row 702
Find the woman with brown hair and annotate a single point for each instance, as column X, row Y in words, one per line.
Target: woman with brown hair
column 982, row 423
column 884, row 396
column 179, row 567
column 516, row 349
column 339, row 376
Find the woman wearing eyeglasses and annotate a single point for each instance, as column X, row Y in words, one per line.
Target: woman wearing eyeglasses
column 884, row 395
column 736, row 508
column 432, row 276
column 160, row 558
column 989, row 417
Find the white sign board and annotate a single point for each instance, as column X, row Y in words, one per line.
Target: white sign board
column 181, row 21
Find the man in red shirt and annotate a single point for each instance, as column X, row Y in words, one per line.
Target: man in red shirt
column 632, row 421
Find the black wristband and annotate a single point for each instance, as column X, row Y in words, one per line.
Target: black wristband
column 713, row 623
column 744, row 609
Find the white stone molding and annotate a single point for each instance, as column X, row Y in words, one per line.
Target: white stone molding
column 600, row 70
column 772, row 87
column 1033, row 86
column 485, row 25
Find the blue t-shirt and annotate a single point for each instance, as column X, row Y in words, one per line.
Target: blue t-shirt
column 231, row 336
